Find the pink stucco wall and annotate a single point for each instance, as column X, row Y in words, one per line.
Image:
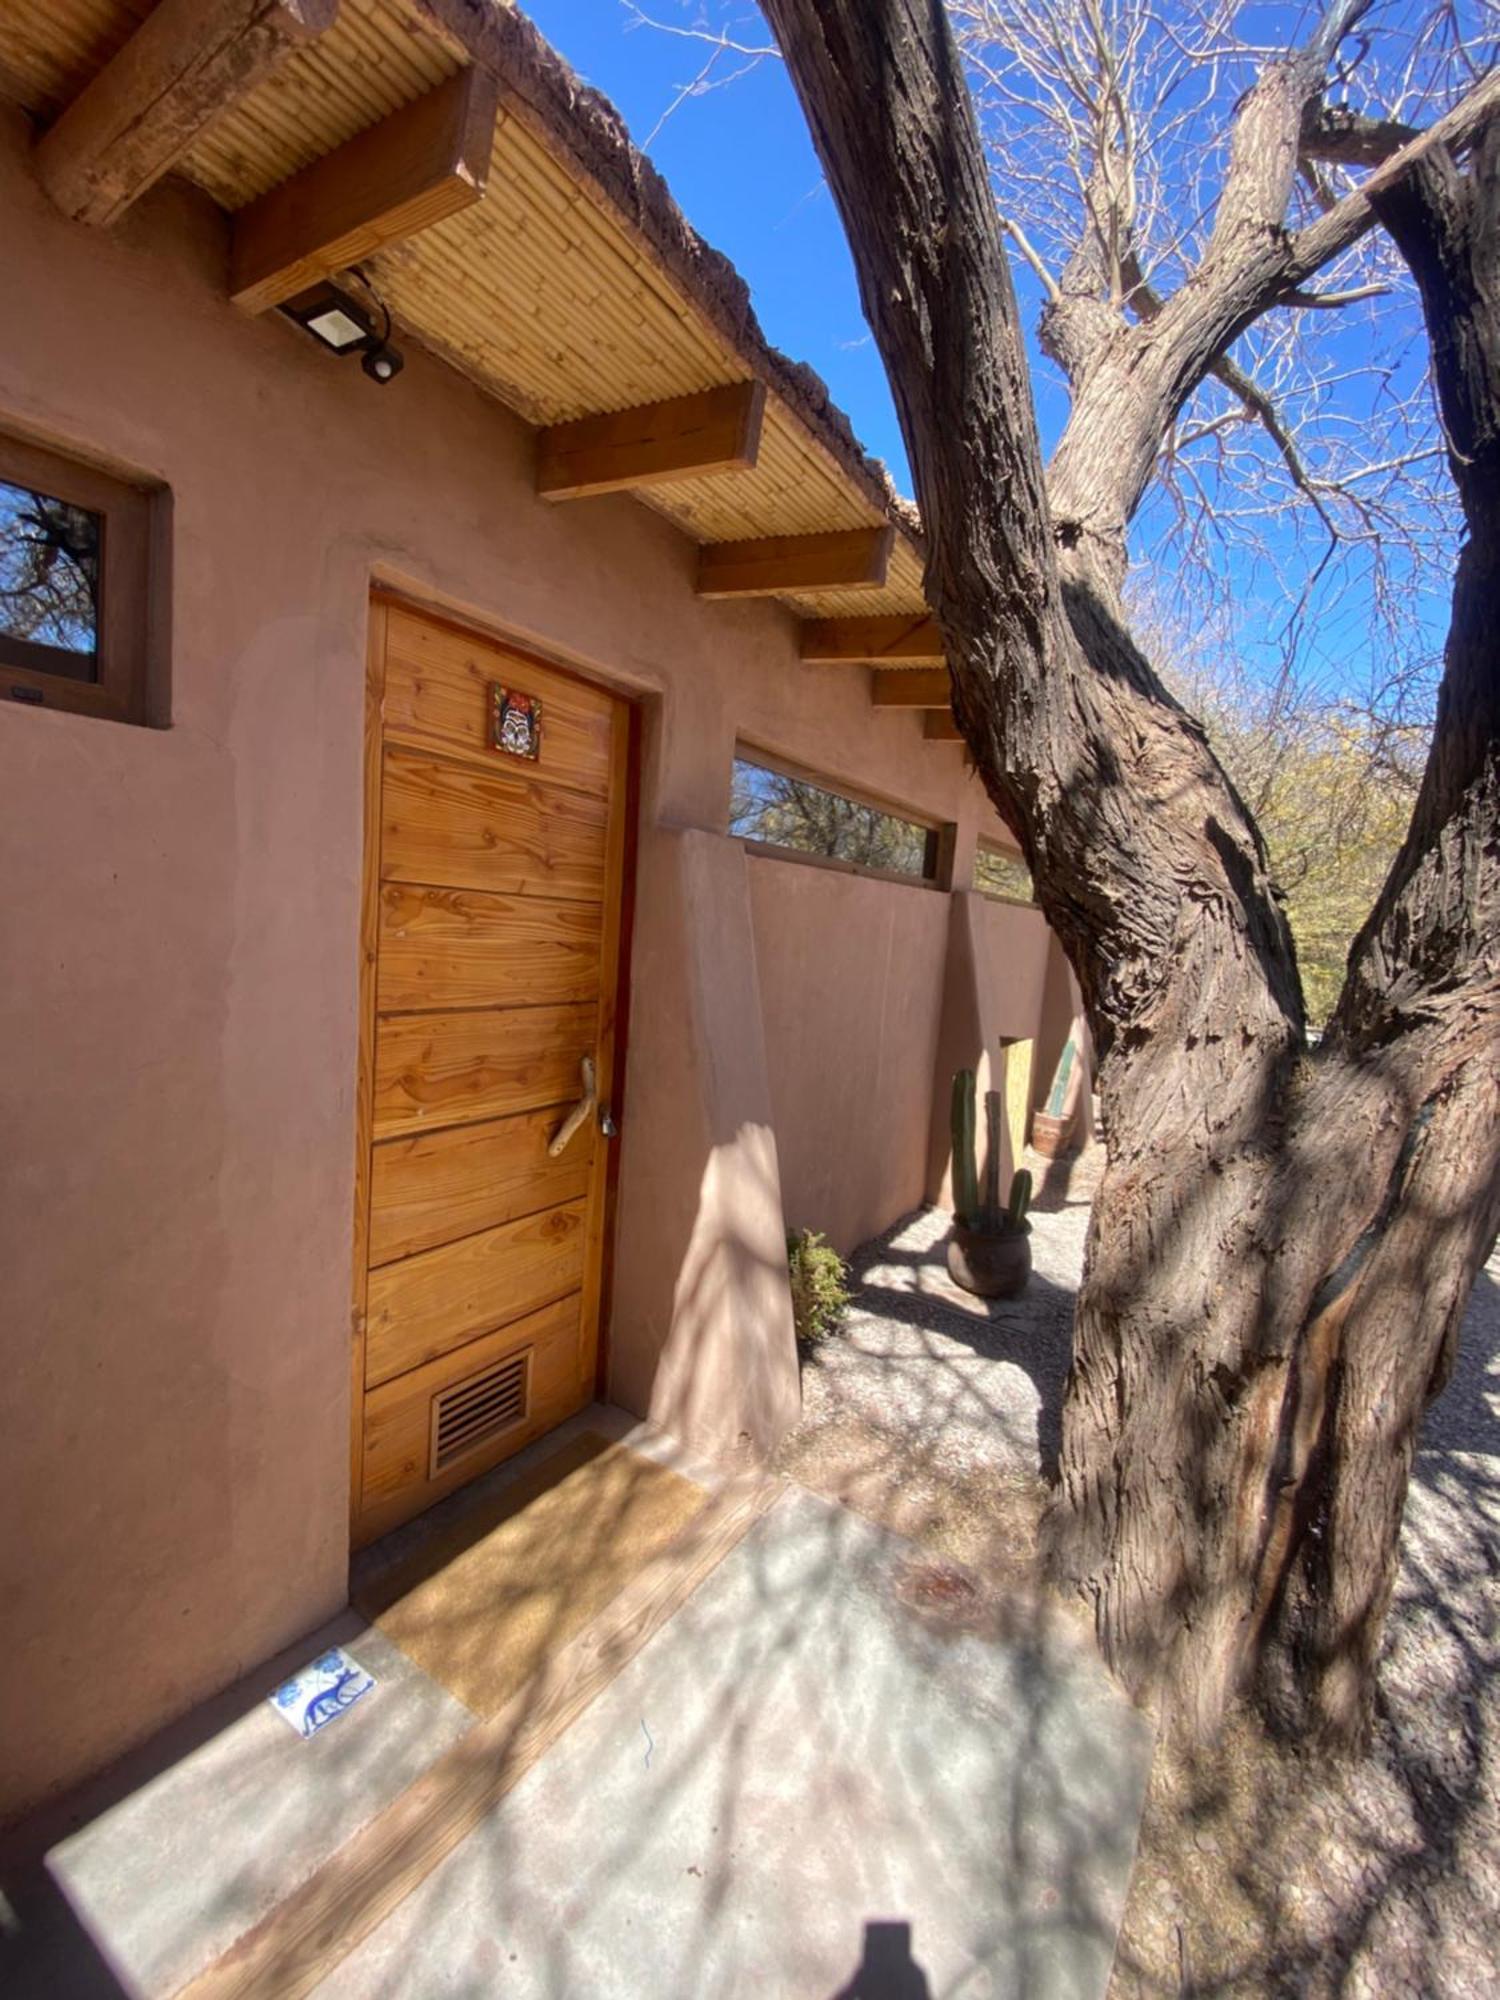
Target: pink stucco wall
column 178, row 918
column 1012, row 942
column 851, row 990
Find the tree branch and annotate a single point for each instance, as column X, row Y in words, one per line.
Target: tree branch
column 1011, row 228
column 1266, row 414
column 1321, row 241
column 1334, row 301
column 1348, row 138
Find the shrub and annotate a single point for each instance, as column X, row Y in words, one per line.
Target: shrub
column 820, row 1296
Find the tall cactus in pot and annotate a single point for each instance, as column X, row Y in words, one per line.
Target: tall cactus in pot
column 965, row 1151
column 989, row 1252
column 994, row 1111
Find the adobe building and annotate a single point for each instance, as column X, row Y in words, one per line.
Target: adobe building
column 415, row 1023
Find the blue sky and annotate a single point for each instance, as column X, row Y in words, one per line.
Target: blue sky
column 742, row 166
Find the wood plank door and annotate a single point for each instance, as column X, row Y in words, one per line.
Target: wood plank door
column 493, row 899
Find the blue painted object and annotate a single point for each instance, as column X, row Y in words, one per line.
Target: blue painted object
column 322, row 1691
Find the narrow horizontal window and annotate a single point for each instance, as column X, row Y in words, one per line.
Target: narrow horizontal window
column 779, row 809
column 76, row 584
column 1000, row 873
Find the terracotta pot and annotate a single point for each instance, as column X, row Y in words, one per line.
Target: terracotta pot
column 1051, row 1137
column 991, row 1264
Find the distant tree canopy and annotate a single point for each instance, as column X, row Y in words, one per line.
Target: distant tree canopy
column 781, row 810
column 1331, row 787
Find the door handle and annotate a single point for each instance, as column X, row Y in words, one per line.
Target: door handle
column 579, row 1115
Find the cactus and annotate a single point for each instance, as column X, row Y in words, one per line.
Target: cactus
column 965, row 1162
column 986, row 1214
column 994, row 1111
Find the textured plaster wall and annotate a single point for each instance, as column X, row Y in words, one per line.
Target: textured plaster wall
column 178, row 920
column 851, row 991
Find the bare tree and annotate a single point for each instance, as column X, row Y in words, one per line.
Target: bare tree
column 1283, row 1241
column 1298, row 499
column 49, row 568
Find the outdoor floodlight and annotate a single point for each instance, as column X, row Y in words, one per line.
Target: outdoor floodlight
column 344, row 325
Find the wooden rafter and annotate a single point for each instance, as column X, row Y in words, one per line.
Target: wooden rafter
column 713, row 430
column 424, row 162
column 188, row 61
column 912, row 640
column 911, row 687
column 940, row 728
column 848, row 559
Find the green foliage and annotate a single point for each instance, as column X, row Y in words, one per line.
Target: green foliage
column 1333, row 813
column 1330, row 783
column 965, row 1151
column 820, row 1295
column 1020, row 1199
column 784, row 811
column 1000, row 874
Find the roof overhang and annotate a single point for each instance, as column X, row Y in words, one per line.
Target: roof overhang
column 502, row 215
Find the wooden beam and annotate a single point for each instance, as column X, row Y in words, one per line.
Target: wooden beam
column 912, row 687
column 715, row 430
column 940, row 728
column 424, row 162
column 851, row 559
column 901, row 641
column 187, row 61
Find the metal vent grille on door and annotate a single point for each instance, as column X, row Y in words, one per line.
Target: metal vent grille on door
column 479, row 1409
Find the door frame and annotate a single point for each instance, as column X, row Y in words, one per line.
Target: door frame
column 619, row 926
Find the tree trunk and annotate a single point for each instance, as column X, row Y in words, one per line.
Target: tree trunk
column 1420, row 1010
column 1262, row 1221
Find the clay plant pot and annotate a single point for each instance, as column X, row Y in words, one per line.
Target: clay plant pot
column 1051, row 1137
column 993, row 1264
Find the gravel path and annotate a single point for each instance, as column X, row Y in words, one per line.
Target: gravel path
column 1260, row 1872
column 937, row 1412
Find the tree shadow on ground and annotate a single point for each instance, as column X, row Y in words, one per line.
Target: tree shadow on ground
column 1261, row 1871
column 833, row 1731
column 969, row 1375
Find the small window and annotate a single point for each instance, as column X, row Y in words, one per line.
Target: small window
column 1000, row 873
column 780, row 809
column 75, row 586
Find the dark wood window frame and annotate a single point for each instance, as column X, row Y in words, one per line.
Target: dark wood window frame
column 131, row 584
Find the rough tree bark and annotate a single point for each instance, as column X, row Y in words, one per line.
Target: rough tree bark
column 1282, row 1241
column 1420, row 1012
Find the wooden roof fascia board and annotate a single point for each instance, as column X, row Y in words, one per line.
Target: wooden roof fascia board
column 880, row 641
column 710, row 431
column 911, row 687
column 186, row 63
column 849, row 559
column 938, row 727
column 416, row 167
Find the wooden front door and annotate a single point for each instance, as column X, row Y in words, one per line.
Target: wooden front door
column 493, row 896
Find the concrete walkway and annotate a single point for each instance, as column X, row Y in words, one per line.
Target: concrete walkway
column 837, row 1769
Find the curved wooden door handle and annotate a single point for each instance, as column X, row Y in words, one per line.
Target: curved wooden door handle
column 579, row 1115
